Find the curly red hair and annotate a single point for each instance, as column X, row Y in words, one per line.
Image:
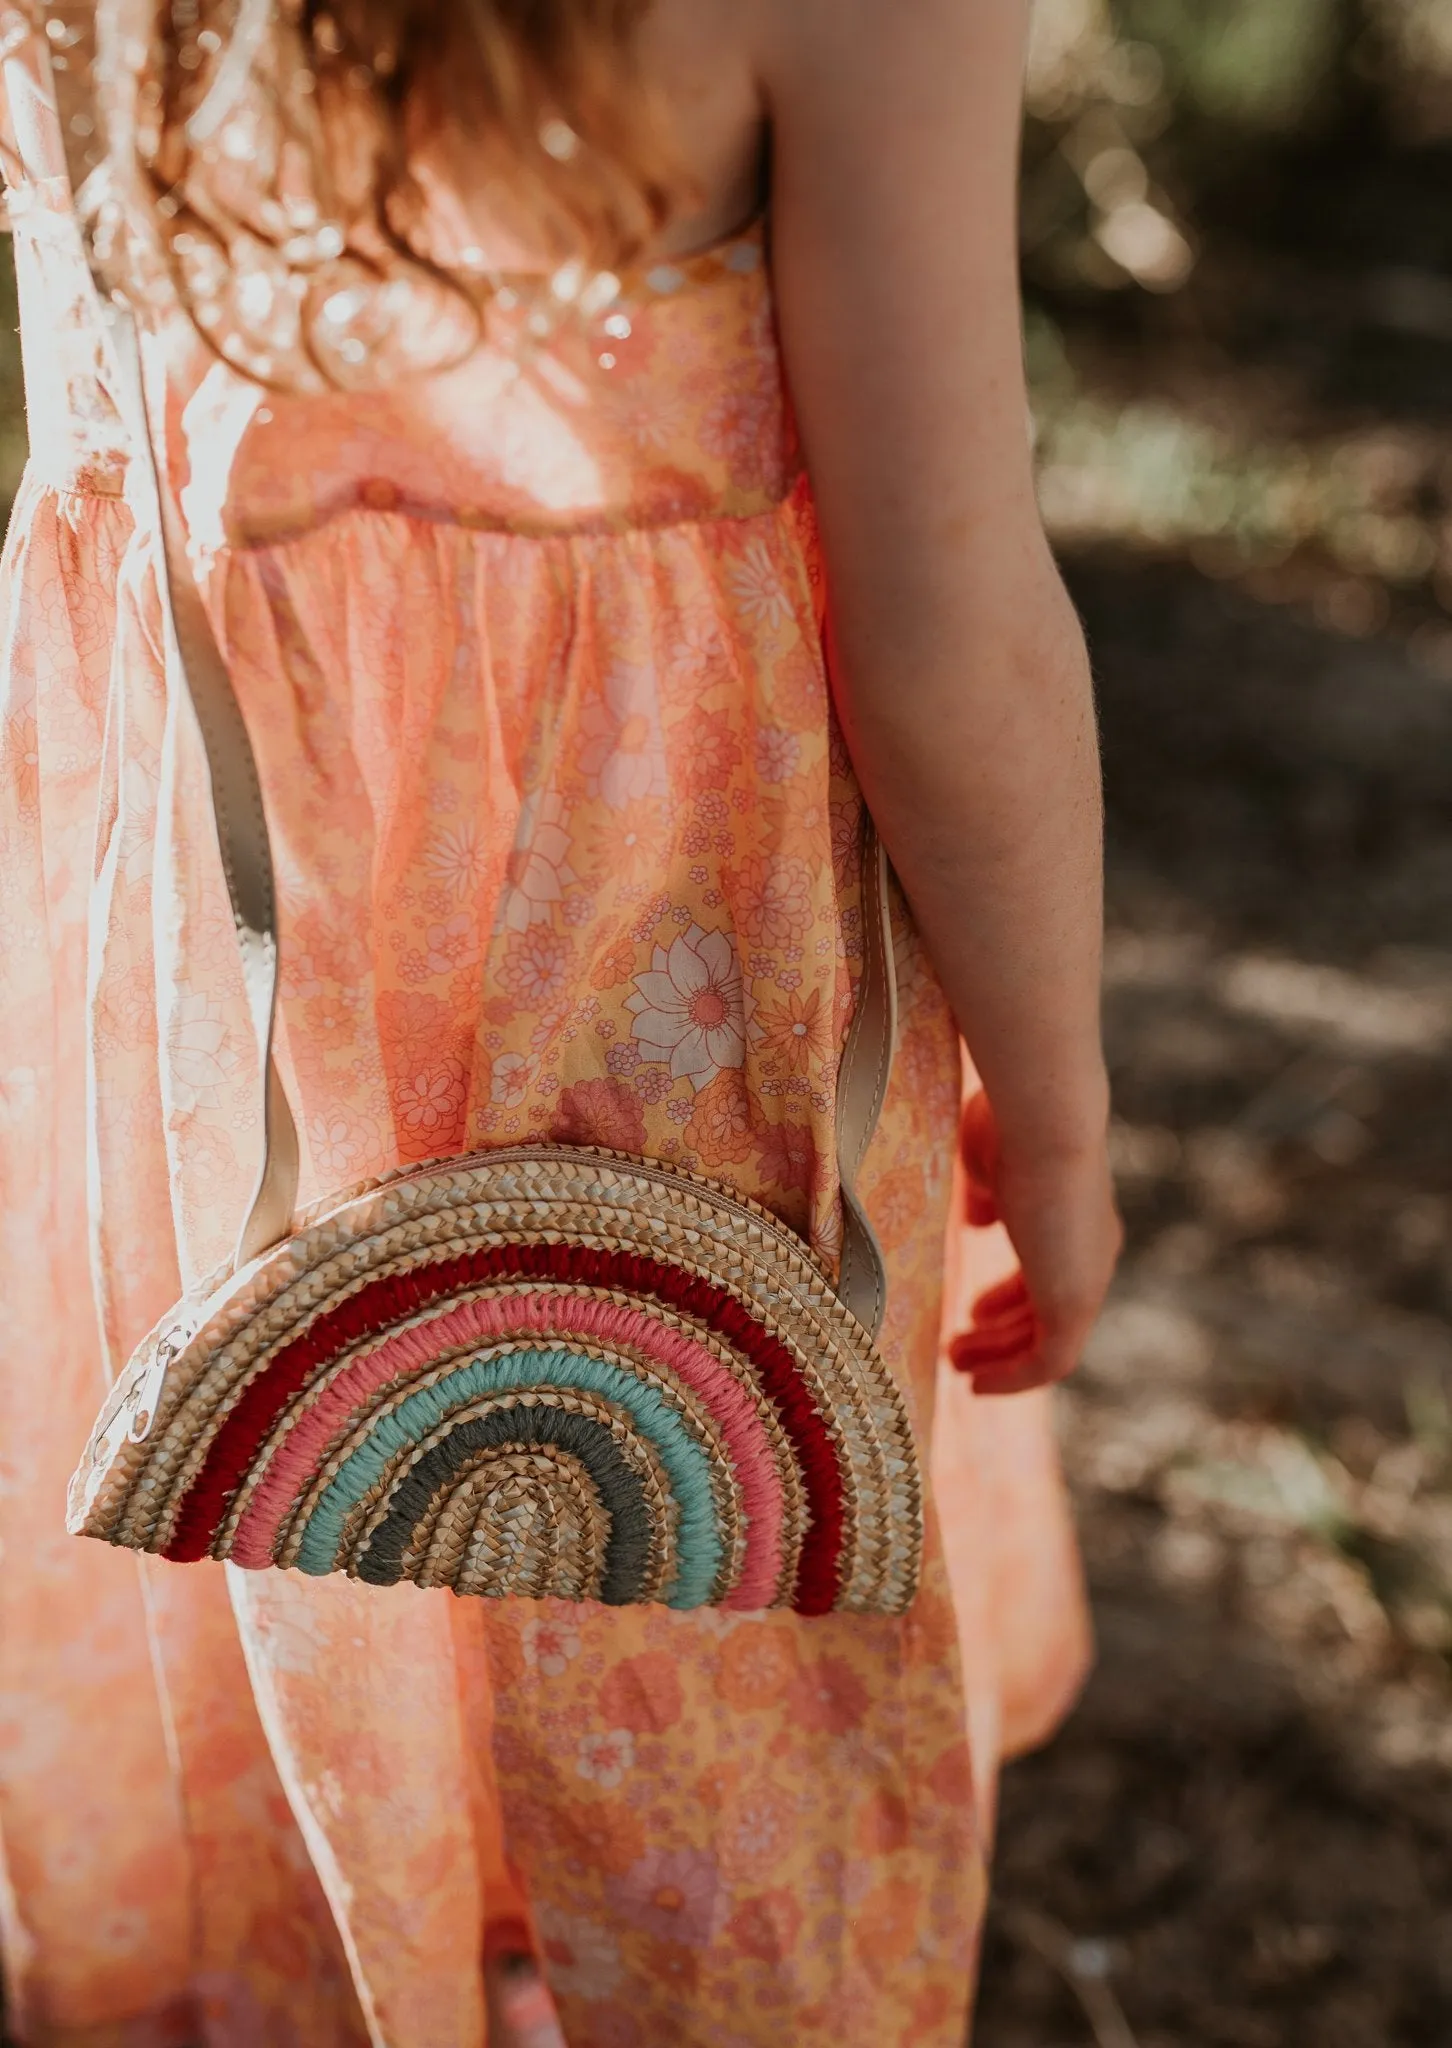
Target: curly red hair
column 313, row 140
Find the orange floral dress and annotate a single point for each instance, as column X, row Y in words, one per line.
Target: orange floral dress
column 532, row 656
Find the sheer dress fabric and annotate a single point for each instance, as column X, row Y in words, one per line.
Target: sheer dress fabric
column 567, row 842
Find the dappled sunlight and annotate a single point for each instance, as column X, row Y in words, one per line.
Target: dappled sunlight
column 1237, row 244
column 1242, row 1828
column 1239, row 337
column 1242, row 1839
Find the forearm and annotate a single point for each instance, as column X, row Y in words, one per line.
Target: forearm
column 957, row 662
column 972, row 726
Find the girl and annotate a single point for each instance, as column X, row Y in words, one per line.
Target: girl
column 471, row 327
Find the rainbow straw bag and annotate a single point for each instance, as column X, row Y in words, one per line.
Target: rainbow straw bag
column 538, row 1371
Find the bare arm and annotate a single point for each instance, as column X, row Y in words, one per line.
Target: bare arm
column 960, row 670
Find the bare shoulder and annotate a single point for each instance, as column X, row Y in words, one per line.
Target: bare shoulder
column 702, row 56
column 848, row 79
column 900, row 59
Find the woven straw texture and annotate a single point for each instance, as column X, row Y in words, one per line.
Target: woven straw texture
column 545, row 1371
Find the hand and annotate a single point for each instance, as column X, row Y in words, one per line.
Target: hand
column 1060, row 1214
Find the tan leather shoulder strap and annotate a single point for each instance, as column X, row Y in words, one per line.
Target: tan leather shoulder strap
column 236, row 786
column 241, row 822
column 242, row 834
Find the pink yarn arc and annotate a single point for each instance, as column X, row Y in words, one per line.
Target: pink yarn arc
column 492, row 1321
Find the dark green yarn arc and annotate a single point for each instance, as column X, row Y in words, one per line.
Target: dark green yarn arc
column 627, row 1551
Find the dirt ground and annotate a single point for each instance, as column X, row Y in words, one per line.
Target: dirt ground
column 1244, row 1837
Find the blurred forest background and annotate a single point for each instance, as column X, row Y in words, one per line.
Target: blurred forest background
column 1238, row 252
column 1237, row 228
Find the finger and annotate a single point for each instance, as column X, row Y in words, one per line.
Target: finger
column 989, row 1349
column 1006, row 1298
column 1052, row 1358
column 985, row 1349
column 1004, row 1328
column 1020, row 1329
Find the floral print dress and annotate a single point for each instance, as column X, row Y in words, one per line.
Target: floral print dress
column 567, row 845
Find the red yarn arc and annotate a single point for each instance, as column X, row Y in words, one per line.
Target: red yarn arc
column 387, row 1302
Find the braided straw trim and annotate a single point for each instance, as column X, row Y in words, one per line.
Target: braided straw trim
column 725, row 1488
column 663, row 1557
column 582, row 1156
column 727, row 1500
column 559, row 1569
column 681, row 1396
column 520, row 1484
column 449, row 1536
column 185, row 1440
column 720, row 1238
column 524, row 1187
column 361, row 1239
column 479, row 1576
column 366, row 1517
column 805, row 1367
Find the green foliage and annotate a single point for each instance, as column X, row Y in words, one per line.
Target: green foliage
column 1250, row 63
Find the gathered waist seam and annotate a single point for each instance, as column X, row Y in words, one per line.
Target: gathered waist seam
column 467, row 521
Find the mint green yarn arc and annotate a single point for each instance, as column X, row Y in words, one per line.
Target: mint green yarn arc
column 699, row 1543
